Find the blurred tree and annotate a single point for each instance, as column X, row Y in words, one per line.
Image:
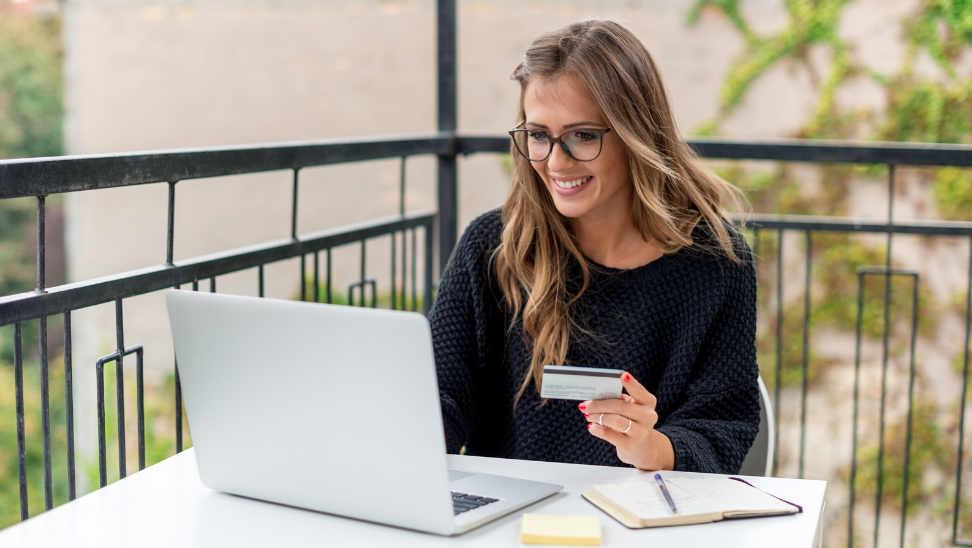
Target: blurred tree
column 31, row 114
column 30, row 86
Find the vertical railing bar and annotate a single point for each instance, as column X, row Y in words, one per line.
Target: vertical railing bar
column 857, row 383
column 42, row 332
column 806, row 352
column 178, row 386
column 429, row 246
column 327, row 287
column 965, row 386
column 170, row 232
column 885, row 335
column 414, row 270
column 401, row 187
column 140, row 407
column 21, row 435
column 69, row 406
column 303, row 277
column 911, row 391
column 120, row 387
column 45, row 414
column 260, row 281
column 293, row 209
column 779, row 347
column 41, row 244
column 755, row 248
column 195, row 285
column 317, row 277
column 363, row 260
column 404, row 269
column 447, row 195
column 394, row 275
column 102, row 443
column 212, row 284
column 178, row 407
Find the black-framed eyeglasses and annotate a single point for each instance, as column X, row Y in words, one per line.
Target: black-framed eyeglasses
column 582, row 144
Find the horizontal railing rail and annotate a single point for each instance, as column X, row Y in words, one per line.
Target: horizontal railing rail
column 45, row 176
column 790, row 150
column 28, row 306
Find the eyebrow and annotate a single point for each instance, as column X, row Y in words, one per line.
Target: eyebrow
column 567, row 127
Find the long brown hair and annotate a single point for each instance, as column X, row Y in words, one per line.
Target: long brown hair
column 673, row 190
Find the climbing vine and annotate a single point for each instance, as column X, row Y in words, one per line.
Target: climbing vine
column 927, row 98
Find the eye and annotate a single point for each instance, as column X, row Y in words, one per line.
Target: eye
column 585, row 136
column 537, row 136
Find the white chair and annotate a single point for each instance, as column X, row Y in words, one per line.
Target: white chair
column 759, row 460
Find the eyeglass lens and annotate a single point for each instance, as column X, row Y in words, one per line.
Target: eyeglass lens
column 583, row 145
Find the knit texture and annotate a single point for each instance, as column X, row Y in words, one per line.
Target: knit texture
column 684, row 325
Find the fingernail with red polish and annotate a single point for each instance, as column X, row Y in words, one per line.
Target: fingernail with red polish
column 589, row 425
column 582, row 406
column 625, row 377
column 586, row 415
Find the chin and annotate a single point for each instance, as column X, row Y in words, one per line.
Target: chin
column 570, row 210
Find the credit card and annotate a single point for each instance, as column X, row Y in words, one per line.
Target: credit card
column 563, row 382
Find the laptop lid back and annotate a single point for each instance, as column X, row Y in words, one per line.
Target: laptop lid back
column 325, row 407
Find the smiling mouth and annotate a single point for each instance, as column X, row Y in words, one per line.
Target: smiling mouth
column 572, row 183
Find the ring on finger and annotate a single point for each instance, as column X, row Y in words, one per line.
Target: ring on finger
column 600, row 419
column 625, row 431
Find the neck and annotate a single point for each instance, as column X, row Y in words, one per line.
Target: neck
column 613, row 240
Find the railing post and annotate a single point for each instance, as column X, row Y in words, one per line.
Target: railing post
column 447, row 186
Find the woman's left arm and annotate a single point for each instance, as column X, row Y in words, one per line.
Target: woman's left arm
column 713, row 428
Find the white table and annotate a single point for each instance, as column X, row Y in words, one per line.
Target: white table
column 167, row 505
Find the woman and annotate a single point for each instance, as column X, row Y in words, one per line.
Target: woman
column 613, row 250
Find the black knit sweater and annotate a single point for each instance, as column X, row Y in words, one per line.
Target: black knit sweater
column 684, row 325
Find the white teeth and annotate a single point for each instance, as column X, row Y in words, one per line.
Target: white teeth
column 571, row 184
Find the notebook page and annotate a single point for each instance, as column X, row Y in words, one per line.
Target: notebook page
column 645, row 500
column 733, row 497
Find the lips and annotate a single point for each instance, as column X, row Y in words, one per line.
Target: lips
column 572, row 186
column 568, row 184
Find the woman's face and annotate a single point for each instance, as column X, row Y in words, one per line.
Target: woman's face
column 589, row 191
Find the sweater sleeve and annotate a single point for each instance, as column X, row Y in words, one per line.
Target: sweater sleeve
column 457, row 319
column 714, row 427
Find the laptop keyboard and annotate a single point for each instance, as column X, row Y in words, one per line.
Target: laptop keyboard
column 462, row 502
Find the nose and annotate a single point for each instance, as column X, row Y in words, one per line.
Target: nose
column 559, row 160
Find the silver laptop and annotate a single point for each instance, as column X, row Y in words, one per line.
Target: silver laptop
column 329, row 408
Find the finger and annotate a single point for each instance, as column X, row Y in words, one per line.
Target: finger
column 615, row 438
column 616, row 422
column 642, row 415
column 616, row 406
column 637, row 391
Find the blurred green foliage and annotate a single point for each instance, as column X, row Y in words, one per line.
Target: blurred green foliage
column 918, row 107
column 159, row 426
column 159, row 434
column 31, row 81
column 31, row 116
column 9, row 468
column 928, row 451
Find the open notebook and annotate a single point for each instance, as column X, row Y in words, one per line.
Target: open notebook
column 641, row 504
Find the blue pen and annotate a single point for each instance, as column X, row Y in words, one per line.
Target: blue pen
column 664, row 490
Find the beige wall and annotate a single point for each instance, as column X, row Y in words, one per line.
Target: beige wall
column 166, row 74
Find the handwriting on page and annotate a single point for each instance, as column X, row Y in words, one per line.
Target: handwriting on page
column 731, row 495
column 645, row 499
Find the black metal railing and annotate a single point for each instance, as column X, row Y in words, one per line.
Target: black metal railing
column 43, row 177
column 892, row 155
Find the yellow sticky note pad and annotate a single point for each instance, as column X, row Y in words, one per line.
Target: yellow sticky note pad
column 571, row 530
